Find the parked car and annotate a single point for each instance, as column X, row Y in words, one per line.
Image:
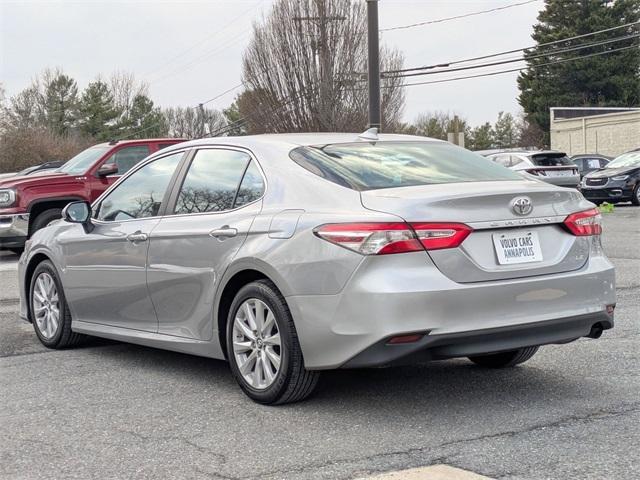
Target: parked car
column 28, row 203
column 295, row 253
column 550, row 166
column 590, row 162
column 618, row 181
column 43, row 167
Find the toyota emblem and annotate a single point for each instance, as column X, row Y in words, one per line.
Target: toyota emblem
column 522, row 205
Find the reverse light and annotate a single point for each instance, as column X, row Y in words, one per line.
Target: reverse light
column 436, row 236
column 385, row 238
column 585, row 223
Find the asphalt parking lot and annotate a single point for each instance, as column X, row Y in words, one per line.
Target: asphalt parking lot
column 112, row 410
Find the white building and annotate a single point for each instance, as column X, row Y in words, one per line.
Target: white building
column 608, row 131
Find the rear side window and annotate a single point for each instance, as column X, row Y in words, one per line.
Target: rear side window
column 369, row 166
column 252, row 186
column 551, row 160
column 212, row 181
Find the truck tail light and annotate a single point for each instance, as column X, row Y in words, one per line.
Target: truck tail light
column 585, row 223
column 385, row 238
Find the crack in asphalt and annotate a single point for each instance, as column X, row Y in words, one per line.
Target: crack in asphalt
column 599, row 414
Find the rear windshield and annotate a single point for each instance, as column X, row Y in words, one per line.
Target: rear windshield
column 551, row 160
column 370, row 166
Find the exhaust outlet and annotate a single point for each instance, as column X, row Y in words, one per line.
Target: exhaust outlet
column 596, row 331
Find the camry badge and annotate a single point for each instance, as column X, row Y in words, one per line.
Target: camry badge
column 522, row 205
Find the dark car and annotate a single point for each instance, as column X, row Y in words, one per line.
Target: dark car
column 40, row 168
column 618, row 181
column 590, row 162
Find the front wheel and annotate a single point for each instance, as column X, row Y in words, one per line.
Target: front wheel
column 49, row 310
column 635, row 199
column 44, row 219
column 263, row 348
column 504, row 359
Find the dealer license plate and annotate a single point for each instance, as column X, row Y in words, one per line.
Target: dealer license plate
column 521, row 247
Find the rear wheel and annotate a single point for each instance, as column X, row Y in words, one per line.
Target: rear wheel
column 49, row 310
column 263, row 348
column 504, row 359
column 44, row 219
column 635, row 198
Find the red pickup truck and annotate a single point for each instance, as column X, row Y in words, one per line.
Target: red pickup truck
column 32, row 202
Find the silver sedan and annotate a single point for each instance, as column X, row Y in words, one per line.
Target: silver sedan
column 291, row 254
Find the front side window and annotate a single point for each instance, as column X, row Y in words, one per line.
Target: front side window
column 127, row 157
column 140, row 195
column 211, row 184
column 368, row 166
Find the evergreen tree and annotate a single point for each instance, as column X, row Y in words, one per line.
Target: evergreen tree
column 144, row 120
column 481, row 137
column 60, row 102
column 604, row 80
column 96, row 111
column 505, row 131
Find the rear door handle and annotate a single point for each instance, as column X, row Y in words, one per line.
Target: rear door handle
column 137, row 237
column 224, row 232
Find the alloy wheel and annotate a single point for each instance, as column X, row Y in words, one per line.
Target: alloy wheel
column 46, row 305
column 256, row 344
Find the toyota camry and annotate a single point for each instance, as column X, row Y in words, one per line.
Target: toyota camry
column 291, row 254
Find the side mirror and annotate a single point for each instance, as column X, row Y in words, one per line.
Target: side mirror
column 107, row 169
column 78, row 212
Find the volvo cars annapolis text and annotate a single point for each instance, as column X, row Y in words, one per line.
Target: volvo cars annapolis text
column 291, row 254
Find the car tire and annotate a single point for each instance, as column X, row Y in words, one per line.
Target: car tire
column 251, row 350
column 52, row 333
column 504, row 359
column 635, row 198
column 45, row 218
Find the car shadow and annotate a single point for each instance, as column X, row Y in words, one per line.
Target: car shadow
column 429, row 387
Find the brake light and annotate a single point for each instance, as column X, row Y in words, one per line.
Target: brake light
column 386, row 238
column 371, row 238
column 535, row 171
column 584, row 223
column 436, row 236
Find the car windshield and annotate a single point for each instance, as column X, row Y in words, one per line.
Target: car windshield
column 369, row 166
column 82, row 161
column 630, row 159
column 551, row 160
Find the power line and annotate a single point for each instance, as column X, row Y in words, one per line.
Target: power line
column 520, row 59
column 456, row 17
column 489, row 74
column 499, row 54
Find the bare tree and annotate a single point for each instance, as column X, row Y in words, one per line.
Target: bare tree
column 304, row 70
column 192, row 123
column 125, row 88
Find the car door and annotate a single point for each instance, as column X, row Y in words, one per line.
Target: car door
column 105, row 271
column 212, row 209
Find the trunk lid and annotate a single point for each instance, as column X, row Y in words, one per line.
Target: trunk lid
column 487, row 208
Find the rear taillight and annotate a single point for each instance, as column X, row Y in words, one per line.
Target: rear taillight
column 535, row 171
column 584, row 223
column 435, row 236
column 386, row 238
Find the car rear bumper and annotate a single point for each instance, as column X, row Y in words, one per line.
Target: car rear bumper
column 13, row 230
column 571, row 181
column 403, row 294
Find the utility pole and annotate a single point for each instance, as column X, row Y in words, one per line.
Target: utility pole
column 373, row 65
column 203, row 130
column 325, row 104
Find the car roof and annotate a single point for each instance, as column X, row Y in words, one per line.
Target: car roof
column 591, row 155
column 529, row 153
column 293, row 140
column 137, row 141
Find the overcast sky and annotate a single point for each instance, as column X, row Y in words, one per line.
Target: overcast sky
column 190, row 51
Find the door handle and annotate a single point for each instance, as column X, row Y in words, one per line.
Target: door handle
column 224, row 232
column 137, row 237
